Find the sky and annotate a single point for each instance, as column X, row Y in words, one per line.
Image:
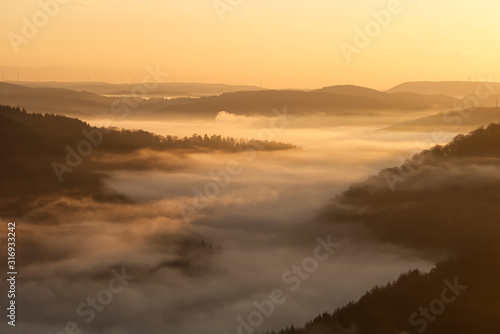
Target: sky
column 273, row 43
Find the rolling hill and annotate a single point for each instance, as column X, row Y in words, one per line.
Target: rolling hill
column 451, row 121
column 194, row 89
column 458, row 89
column 329, row 100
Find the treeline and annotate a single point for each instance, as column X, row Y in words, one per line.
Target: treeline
column 60, row 131
column 120, row 139
column 481, row 142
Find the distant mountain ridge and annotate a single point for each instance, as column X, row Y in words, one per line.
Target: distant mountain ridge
column 195, row 89
column 457, row 89
column 452, row 121
column 351, row 90
column 329, row 100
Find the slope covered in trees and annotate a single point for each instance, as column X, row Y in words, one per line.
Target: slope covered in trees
column 445, row 198
column 38, row 150
column 421, row 303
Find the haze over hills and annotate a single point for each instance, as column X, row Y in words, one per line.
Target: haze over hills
column 352, row 90
column 453, row 121
column 221, row 167
column 326, row 100
column 458, row 89
column 418, row 206
column 54, row 100
column 329, row 100
column 478, row 106
column 194, row 89
column 404, row 99
column 76, row 103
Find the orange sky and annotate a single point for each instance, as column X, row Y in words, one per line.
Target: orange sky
column 283, row 43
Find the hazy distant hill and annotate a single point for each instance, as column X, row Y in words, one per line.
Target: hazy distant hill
column 155, row 93
column 452, row 121
column 195, row 89
column 55, row 100
column 443, row 199
column 8, row 89
column 404, row 99
column 330, row 100
column 77, row 103
column 458, row 89
column 352, row 90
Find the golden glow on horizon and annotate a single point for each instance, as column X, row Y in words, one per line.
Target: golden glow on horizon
column 281, row 43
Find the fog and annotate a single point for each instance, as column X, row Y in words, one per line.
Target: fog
column 198, row 271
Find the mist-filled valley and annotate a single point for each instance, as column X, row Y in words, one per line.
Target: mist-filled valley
column 249, row 167
column 205, row 220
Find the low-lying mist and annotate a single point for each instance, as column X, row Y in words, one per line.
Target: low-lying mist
column 206, row 240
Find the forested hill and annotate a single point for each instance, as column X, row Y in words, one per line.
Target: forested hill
column 445, row 198
column 44, row 154
column 59, row 131
column 406, row 305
